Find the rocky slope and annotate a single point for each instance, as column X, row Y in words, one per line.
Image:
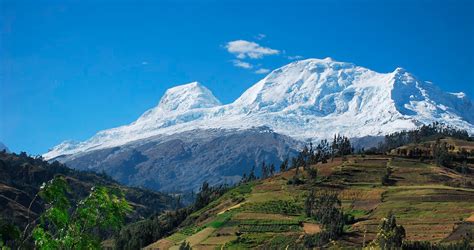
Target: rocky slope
column 181, row 162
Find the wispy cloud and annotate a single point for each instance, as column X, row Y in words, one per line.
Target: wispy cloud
column 260, row 36
column 243, row 49
column 262, row 71
column 242, row 64
column 294, row 57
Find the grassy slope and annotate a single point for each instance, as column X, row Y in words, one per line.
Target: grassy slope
column 269, row 213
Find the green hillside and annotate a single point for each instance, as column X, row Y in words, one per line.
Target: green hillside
column 433, row 203
column 21, row 177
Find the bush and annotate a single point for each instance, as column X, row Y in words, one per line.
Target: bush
column 316, row 240
column 390, row 234
column 64, row 226
column 385, row 180
column 313, row 173
column 295, row 181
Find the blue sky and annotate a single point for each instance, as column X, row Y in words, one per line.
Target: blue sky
column 71, row 68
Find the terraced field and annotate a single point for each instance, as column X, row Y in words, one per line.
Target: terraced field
column 269, row 213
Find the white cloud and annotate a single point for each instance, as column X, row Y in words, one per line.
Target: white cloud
column 243, row 49
column 260, row 36
column 242, row 64
column 262, row 71
column 294, row 57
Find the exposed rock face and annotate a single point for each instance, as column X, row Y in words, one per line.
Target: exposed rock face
column 181, row 162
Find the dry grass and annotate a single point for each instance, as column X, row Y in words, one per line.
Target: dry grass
column 470, row 218
column 230, row 208
column 311, row 228
column 162, row 244
column 218, row 240
column 200, row 236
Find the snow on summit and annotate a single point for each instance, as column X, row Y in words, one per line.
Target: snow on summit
column 188, row 96
column 307, row 99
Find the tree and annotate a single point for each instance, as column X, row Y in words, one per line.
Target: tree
column 304, row 157
column 272, row 169
column 341, row 146
column 326, row 209
column 252, row 175
column 390, row 235
column 294, row 162
column 309, row 204
column 142, row 233
column 9, row 235
column 386, row 181
column 185, row 246
column 428, row 132
column 313, row 173
column 284, row 165
column 264, row 170
column 244, row 178
column 64, row 226
column 441, row 154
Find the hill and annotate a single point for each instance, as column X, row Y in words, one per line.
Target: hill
column 21, row 177
column 455, row 147
column 433, row 203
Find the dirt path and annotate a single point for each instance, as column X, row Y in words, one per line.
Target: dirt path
column 311, row 228
column 230, row 208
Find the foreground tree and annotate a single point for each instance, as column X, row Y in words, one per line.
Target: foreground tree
column 64, row 226
column 326, row 209
column 390, row 235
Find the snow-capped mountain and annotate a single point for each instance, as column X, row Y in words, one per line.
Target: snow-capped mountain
column 308, row 99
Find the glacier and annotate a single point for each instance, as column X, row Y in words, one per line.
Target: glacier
column 309, row 99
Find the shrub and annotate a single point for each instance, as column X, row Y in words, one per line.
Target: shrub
column 316, row 240
column 63, row 227
column 390, row 235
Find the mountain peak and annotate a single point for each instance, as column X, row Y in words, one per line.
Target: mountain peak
column 307, row 83
column 399, row 70
column 311, row 98
column 188, row 96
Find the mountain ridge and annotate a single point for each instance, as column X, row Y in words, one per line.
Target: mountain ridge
column 306, row 99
